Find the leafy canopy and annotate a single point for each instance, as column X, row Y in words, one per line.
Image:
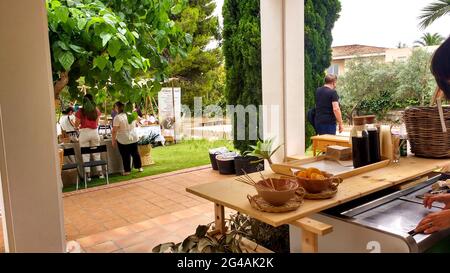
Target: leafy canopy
column 109, row 45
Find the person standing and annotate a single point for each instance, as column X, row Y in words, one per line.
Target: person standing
column 328, row 111
column 124, row 136
column 87, row 118
column 67, row 123
column 437, row 221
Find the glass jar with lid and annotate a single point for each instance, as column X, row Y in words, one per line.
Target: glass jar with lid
column 360, row 143
column 374, row 139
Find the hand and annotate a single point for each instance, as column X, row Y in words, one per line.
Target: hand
column 434, row 222
column 446, row 169
column 114, row 143
column 341, row 128
column 442, row 198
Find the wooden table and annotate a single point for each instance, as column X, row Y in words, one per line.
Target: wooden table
column 233, row 194
column 320, row 143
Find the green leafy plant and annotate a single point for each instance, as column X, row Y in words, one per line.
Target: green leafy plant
column 263, row 150
column 202, row 242
column 148, row 139
column 110, row 45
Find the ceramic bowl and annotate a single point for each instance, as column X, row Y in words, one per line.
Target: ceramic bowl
column 282, row 191
column 318, row 186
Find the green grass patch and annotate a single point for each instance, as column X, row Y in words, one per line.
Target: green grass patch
column 184, row 155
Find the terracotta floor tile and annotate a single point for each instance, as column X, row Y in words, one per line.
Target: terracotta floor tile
column 142, row 226
column 136, row 218
column 119, row 233
column 115, row 223
column 135, row 202
column 130, row 240
column 165, row 219
column 144, row 247
column 153, row 232
column 93, row 240
column 91, row 229
column 106, row 247
column 185, row 213
column 155, row 213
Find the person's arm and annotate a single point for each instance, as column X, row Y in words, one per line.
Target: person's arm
column 98, row 115
column 114, row 135
column 72, row 122
column 77, row 120
column 434, row 222
column 115, row 128
column 338, row 115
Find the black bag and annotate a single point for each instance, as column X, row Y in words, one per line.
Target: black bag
column 311, row 117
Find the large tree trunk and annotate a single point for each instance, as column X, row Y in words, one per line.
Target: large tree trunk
column 61, row 83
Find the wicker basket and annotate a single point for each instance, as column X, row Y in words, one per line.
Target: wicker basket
column 426, row 132
column 145, row 151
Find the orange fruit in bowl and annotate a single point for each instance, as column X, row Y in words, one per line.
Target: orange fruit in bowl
column 311, row 171
column 302, row 174
column 316, row 176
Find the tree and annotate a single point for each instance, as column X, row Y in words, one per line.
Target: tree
column 320, row 16
column 429, row 39
column 416, row 83
column 242, row 51
column 367, row 85
column 108, row 45
column 375, row 87
column 200, row 72
column 433, row 12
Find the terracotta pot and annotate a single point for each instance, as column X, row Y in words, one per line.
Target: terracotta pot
column 284, row 190
column 318, row 186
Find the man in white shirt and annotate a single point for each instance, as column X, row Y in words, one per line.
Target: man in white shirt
column 67, row 123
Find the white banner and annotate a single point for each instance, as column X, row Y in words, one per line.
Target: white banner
column 169, row 104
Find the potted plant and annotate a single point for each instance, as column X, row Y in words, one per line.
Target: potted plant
column 263, row 150
column 145, row 148
column 247, row 164
column 225, row 163
column 202, row 242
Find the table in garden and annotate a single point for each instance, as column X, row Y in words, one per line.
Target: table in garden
column 233, row 194
column 320, row 143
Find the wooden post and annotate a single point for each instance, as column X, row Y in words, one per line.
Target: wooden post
column 311, row 229
column 310, row 242
column 219, row 218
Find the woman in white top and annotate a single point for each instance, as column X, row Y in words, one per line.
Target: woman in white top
column 124, row 136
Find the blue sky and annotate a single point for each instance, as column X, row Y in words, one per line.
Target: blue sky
column 380, row 23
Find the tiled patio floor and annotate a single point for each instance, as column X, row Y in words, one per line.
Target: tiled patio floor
column 149, row 205
column 144, row 236
column 142, row 199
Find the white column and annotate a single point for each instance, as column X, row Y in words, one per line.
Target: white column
column 282, row 45
column 28, row 155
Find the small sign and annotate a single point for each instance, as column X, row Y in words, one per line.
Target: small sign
column 169, row 103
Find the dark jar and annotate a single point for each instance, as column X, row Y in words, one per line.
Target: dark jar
column 360, row 143
column 374, row 140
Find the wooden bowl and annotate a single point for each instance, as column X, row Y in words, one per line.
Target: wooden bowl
column 318, row 186
column 284, row 190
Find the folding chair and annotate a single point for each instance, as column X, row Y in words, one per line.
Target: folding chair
column 95, row 163
column 70, row 166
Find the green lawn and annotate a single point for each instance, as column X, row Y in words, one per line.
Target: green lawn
column 187, row 154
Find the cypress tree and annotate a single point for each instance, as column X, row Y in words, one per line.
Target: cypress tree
column 320, row 16
column 242, row 51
